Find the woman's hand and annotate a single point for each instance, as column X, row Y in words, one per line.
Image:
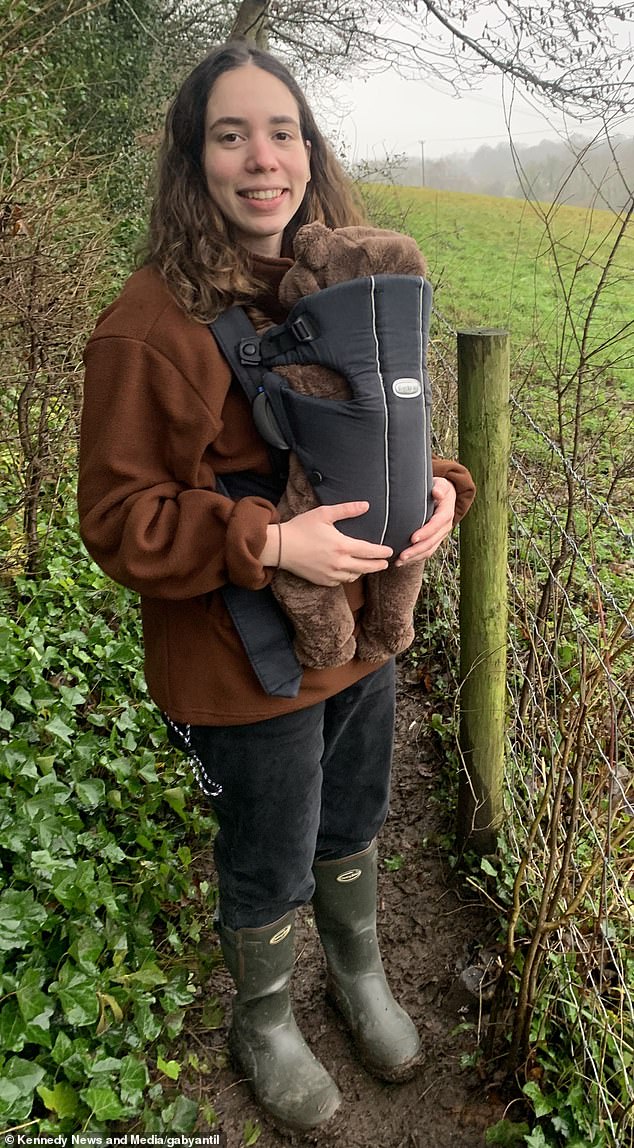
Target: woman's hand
column 429, row 537
column 314, row 549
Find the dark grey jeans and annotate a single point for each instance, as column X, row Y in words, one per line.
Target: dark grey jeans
column 287, row 791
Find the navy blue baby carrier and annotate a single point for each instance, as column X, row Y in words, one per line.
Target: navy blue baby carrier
column 374, row 446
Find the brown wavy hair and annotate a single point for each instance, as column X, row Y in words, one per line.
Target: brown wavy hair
column 189, row 240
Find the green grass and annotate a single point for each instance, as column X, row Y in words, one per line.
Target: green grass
column 508, row 263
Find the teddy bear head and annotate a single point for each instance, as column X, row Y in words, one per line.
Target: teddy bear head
column 325, row 256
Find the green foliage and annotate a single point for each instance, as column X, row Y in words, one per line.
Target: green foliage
column 98, row 908
column 564, row 1118
column 251, row 1133
column 508, row 1133
column 32, row 109
column 581, row 1041
column 79, row 89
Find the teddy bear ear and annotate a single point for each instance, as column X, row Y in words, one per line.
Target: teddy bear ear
column 314, row 245
column 300, row 239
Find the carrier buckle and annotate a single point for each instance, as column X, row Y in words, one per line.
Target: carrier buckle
column 249, row 350
column 302, row 330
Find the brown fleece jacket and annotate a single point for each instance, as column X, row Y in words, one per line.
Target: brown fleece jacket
column 161, row 418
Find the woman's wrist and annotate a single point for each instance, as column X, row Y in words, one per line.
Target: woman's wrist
column 272, row 552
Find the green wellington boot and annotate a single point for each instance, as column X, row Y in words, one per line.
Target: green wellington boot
column 287, row 1080
column 344, row 902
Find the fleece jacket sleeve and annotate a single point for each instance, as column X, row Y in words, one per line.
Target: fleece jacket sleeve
column 149, row 512
column 460, row 477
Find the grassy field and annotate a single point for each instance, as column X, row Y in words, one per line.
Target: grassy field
column 509, row 263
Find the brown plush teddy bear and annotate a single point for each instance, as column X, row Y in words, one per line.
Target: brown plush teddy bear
column 323, row 622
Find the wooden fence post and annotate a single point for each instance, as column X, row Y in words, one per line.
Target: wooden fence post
column 484, row 438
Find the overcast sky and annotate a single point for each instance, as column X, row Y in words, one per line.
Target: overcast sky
column 383, row 112
column 387, row 113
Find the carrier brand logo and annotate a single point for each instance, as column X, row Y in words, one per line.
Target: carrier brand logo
column 277, row 937
column 349, row 875
column 406, row 388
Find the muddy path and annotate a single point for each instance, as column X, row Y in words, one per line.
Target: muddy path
column 431, row 930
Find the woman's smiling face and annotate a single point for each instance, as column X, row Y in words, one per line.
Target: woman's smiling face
column 255, row 161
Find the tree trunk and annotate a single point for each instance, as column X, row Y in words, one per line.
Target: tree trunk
column 251, row 23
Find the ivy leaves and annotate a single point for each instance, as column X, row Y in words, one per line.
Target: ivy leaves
column 97, row 904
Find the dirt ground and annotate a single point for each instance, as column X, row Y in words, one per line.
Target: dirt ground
column 432, row 931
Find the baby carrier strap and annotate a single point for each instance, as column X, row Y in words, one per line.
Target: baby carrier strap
column 264, row 629
column 240, row 344
column 262, row 625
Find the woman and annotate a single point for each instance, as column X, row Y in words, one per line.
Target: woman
column 299, row 785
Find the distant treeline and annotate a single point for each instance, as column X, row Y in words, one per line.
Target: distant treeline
column 576, row 171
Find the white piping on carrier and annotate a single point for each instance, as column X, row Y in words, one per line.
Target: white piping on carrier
column 386, row 468
column 421, row 284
